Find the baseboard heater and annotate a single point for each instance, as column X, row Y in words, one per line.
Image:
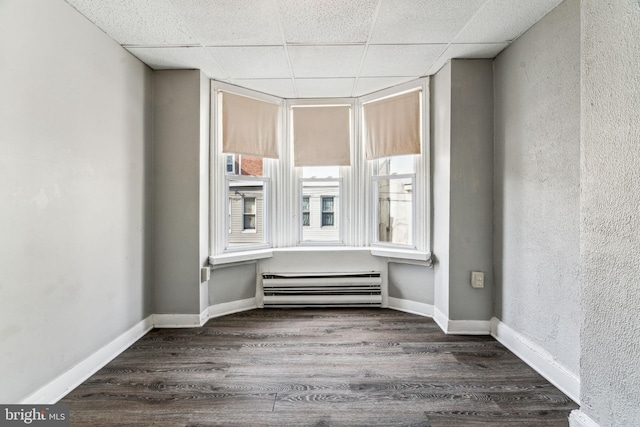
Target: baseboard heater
column 358, row 289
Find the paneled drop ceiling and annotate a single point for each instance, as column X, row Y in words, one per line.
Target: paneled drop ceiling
column 312, row 48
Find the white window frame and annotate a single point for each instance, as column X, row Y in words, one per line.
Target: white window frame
column 421, row 193
column 283, row 191
column 219, row 202
column 293, row 205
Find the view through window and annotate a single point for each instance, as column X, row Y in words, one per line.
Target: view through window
column 320, row 201
column 246, row 190
column 393, row 189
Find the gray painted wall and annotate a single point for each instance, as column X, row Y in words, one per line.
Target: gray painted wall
column 537, row 184
column 75, row 137
column 462, row 153
column 410, row 282
column 233, row 283
column 471, row 189
column 179, row 193
column 609, row 212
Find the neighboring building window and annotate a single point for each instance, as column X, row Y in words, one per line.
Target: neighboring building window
column 249, row 219
column 305, row 211
column 231, row 164
column 327, row 211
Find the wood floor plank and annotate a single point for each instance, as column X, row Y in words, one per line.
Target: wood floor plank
column 317, row 367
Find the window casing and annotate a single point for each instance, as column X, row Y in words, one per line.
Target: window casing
column 359, row 217
column 399, row 186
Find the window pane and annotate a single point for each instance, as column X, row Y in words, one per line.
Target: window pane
column 305, row 204
column 231, row 164
column 249, row 222
column 321, row 172
column 249, row 205
column 321, row 221
column 395, row 211
column 246, row 203
column 327, row 219
column 327, row 204
column 394, row 165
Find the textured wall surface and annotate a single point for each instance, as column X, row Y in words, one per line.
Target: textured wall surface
column 610, row 212
column 75, row 139
column 537, row 184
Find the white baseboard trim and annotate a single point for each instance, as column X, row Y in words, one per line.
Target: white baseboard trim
column 225, row 308
column 412, row 307
column 180, row 320
column 538, row 358
column 577, row 418
column 63, row 384
column 461, row 327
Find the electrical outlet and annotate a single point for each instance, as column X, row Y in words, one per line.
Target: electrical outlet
column 477, row 279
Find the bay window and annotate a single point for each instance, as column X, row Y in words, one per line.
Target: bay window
column 338, row 172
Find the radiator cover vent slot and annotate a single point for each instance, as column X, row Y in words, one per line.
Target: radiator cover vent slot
column 340, row 289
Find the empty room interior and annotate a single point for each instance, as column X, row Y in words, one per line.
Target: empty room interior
column 461, row 172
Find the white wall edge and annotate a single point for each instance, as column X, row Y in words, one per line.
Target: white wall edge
column 461, row 327
column 223, row 309
column 577, row 418
column 63, row 384
column 413, row 307
column 539, row 359
column 180, row 320
column 441, row 319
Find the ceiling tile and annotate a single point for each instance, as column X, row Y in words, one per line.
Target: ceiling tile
column 367, row 85
column 167, row 58
column 327, row 21
column 277, row 87
column 325, row 61
column 422, row 21
column 400, row 60
column 137, row 22
column 324, row 88
column 250, row 62
column 504, row 20
column 468, row 51
column 231, row 22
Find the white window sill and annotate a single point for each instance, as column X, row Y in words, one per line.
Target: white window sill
column 424, row 258
column 399, row 255
column 240, row 256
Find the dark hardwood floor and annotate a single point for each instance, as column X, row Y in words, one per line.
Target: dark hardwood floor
column 317, row 367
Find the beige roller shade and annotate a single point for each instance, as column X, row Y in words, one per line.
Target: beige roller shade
column 392, row 126
column 321, row 135
column 249, row 126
